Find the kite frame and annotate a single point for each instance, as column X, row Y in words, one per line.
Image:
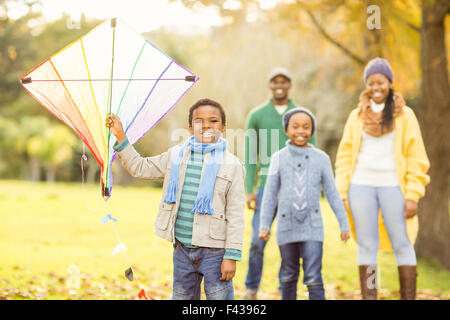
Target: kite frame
column 107, row 184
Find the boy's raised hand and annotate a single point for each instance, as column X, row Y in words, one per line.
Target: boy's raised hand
column 228, row 269
column 115, row 126
column 345, row 235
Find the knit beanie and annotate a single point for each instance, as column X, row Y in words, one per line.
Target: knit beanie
column 378, row 65
column 291, row 112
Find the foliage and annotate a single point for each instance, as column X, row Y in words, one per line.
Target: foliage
column 28, row 131
column 35, row 138
column 53, row 144
column 15, row 51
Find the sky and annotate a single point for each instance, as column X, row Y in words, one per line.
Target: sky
column 143, row 15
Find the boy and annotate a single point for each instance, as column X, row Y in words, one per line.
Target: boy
column 202, row 206
column 294, row 181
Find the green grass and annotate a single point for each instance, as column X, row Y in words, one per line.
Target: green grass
column 46, row 228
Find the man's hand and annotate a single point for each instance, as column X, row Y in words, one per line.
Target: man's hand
column 410, row 208
column 115, row 126
column 264, row 234
column 228, row 269
column 252, row 201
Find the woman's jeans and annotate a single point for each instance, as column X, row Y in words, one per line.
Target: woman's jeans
column 364, row 202
column 191, row 265
column 311, row 252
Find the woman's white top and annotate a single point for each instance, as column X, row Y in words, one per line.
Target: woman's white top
column 376, row 107
column 376, row 159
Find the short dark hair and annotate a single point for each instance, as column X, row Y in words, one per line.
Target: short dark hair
column 206, row 102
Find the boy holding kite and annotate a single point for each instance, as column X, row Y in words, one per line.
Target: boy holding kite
column 202, row 207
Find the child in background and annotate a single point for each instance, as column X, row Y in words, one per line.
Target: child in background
column 293, row 186
column 202, row 206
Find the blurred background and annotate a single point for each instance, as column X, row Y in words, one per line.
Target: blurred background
column 232, row 45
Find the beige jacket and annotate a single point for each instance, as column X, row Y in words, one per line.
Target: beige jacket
column 224, row 229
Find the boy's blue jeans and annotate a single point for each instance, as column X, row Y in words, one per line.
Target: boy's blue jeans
column 190, row 266
column 256, row 255
column 311, row 252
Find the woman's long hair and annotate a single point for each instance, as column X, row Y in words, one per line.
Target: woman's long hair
column 388, row 117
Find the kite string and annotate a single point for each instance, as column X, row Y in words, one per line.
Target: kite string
column 84, row 158
column 124, row 249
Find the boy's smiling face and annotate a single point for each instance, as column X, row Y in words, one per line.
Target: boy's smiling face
column 207, row 124
column 299, row 129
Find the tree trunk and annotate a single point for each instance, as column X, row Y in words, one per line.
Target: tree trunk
column 51, row 173
column 35, row 169
column 433, row 240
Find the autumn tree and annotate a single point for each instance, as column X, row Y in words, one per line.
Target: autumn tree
column 434, row 232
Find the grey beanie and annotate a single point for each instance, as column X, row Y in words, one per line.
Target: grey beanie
column 378, row 65
column 291, row 112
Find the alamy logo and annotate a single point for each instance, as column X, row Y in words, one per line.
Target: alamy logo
column 374, row 20
column 258, row 143
column 373, row 281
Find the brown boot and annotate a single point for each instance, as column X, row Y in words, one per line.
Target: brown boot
column 368, row 281
column 407, row 276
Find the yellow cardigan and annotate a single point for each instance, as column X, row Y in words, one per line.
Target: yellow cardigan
column 410, row 159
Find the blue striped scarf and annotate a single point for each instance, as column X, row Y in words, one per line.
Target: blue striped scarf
column 203, row 202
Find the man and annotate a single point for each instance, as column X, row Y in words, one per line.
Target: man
column 264, row 136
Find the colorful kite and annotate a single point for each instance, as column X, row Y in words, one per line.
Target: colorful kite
column 110, row 69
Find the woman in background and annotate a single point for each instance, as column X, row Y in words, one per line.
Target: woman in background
column 381, row 165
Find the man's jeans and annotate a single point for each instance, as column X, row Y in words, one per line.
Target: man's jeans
column 256, row 256
column 311, row 252
column 191, row 265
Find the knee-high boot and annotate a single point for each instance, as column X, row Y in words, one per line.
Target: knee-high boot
column 368, row 281
column 407, row 276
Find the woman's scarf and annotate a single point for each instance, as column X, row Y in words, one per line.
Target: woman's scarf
column 373, row 120
column 203, row 203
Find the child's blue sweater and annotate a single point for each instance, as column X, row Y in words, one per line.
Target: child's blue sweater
column 293, row 188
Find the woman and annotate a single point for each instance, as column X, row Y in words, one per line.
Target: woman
column 381, row 165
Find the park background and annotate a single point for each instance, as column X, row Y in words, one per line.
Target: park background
column 52, row 244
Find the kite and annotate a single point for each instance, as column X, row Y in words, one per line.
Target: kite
column 111, row 69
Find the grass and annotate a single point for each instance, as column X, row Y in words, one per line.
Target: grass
column 53, row 246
